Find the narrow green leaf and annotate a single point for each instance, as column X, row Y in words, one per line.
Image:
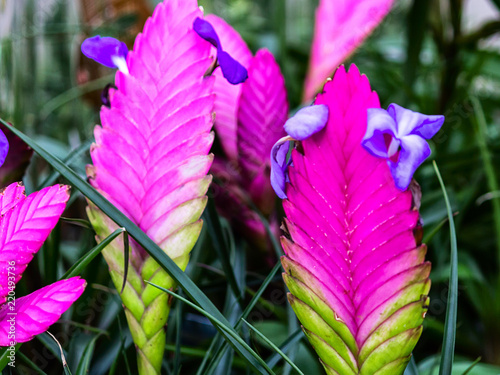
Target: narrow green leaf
column 450, row 325
column 216, row 322
column 417, row 25
column 189, row 287
column 62, row 355
column 126, row 254
column 274, row 347
column 473, row 364
column 4, row 356
column 84, row 365
column 290, row 342
column 79, row 222
column 72, row 156
column 88, row 257
column 218, row 348
column 32, row 365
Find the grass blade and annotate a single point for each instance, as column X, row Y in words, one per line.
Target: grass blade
column 275, row 348
column 290, row 342
column 87, row 258
column 189, row 287
column 84, row 365
column 450, row 325
column 214, row 321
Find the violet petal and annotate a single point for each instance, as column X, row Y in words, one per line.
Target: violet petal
column 414, row 150
column 232, row 70
column 107, row 51
column 410, row 122
column 279, row 166
column 307, row 121
column 4, row 147
column 205, row 29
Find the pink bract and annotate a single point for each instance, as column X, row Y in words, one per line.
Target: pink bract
column 25, row 224
column 341, row 26
column 350, row 241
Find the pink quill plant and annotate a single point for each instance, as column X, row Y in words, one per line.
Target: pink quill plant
column 249, row 120
column 340, row 27
column 354, row 263
column 25, row 224
column 151, row 159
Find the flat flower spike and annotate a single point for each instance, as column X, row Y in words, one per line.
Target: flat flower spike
column 356, row 273
column 151, row 159
column 340, row 27
column 399, row 135
column 25, row 223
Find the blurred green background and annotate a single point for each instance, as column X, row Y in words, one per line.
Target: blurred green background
column 436, row 57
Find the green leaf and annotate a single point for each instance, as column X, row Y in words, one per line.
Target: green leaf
column 274, row 347
column 216, row 322
column 450, row 325
column 83, row 262
column 189, row 287
column 84, row 364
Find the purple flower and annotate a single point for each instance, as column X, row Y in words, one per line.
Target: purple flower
column 232, row 70
column 107, row 51
column 399, row 135
column 4, row 147
column 302, row 125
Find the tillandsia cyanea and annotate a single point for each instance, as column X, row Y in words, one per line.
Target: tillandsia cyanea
column 340, row 27
column 249, row 120
column 25, row 223
column 354, row 263
column 151, row 159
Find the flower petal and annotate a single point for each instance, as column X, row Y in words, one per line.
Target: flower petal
column 205, row 29
column 107, row 51
column 279, row 166
column 410, row 122
column 4, row 147
column 232, row 70
column 307, row 121
column 414, row 150
column 379, row 125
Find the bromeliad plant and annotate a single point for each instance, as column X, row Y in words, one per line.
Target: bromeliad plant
column 25, row 224
column 354, row 263
column 151, row 157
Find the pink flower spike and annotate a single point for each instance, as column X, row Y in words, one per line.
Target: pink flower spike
column 36, row 312
column 341, row 26
column 25, row 225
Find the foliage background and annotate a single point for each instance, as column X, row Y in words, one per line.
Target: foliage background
column 437, row 57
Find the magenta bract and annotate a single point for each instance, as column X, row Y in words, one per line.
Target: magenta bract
column 25, row 224
column 356, row 273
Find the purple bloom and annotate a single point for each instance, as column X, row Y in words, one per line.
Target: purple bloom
column 4, row 147
column 232, row 70
column 107, row 51
column 302, row 125
column 399, row 135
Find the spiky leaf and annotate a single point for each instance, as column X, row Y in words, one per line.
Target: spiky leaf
column 356, row 273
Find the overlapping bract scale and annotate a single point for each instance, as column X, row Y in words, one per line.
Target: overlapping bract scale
column 357, row 276
column 151, row 159
column 340, row 27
